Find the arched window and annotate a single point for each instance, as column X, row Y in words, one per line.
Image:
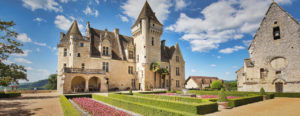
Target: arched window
column 276, row 31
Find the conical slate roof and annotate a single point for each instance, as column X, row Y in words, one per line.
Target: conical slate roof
column 74, row 30
column 146, row 13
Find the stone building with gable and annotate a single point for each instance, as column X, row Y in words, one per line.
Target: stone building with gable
column 274, row 55
column 104, row 60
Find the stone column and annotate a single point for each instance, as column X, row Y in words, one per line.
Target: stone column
column 103, row 87
column 86, row 89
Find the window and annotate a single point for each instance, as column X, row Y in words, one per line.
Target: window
column 65, row 65
column 130, row 70
column 177, row 71
column 65, row 52
column 105, row 66
column 105, row 51
column 276, row 31
column 130, row 54
column 167, row 83
column 133, row 83
column 177, row 83
column 81, row 44
column 262, row 73
column 177, row 58
column 82, row 65
column 78, row 54
column 152, row 41
column 278, row 72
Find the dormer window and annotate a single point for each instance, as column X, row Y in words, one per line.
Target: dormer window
column 276, row 31
column 105, row 51
column 130, row 54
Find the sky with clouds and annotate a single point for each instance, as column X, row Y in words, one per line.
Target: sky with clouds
column 213, row 35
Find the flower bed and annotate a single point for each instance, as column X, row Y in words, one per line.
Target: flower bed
column 98, row 109
column 215, row 96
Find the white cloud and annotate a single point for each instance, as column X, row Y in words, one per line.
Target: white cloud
column 40, row 44
column 38, row 19
column 22, row 60
column 66, row 1
column 132, row 8
column 247, row 42
column 37, row 74
column 221, row 22
column 180, row 4
column 29, row 68
column 64, row 23
column 219, row 57
column 97, row 1
column 48, row 5
column 23, row 38
column 24, row 54
column 124, row 18
column 38, row 49
column 213, row 65
column 227, row 73
column 193, row 70
column 231, row 50
column 89, row 11
column 7, row 61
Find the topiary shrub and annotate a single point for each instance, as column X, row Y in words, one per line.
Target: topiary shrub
column 262, row 91
column 217, row 84
column 130, row 92
column 222, row 96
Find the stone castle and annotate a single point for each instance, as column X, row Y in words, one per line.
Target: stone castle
column 103, row 60
column 274, row 55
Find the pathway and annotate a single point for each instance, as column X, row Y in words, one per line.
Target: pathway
column 273, row 107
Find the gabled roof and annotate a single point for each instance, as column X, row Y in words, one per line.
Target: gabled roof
column 202, row 79
column 167, row 53
column 146, row 12
column 272, row 4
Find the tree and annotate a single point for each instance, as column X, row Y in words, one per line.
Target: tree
column 163, row 71
column 262, row 91
column 217, row 84
column 222, row 96
column 155, row 66
column 52, row 82
column 9, row 73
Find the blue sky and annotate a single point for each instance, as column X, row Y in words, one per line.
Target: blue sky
column 213, row 34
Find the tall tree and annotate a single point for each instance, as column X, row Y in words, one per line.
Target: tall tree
column 8, row 45
column 155, row 66
column 52, row 81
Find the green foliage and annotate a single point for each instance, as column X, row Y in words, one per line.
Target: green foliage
column 52, row 82
column 244, row 100
column 195, row 108
column 143, row 109
column 155, row 66
column 222, row 96
column 173, row 98
column 9, row 94
column 68, row 108
column 163, row 71
column 230, row 85
column 130, row 92
column 8, row 45
column 262, row 91
column 216, row 84
column 293, row 95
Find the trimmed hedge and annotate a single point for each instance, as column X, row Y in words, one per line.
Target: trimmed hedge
column 146, row 110
column 203, row 108
column 231, row 93
column 173, row 98
column 151, row 92
column 9, row 94
column 287, row 95
column 68, row 108
column 244, row 100
column 71, row 96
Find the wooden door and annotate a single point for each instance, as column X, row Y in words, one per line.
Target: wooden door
column 279, row 86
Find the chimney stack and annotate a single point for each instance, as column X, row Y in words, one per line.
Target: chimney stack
column 62, row 35
column 163, row 43
column 116, row 31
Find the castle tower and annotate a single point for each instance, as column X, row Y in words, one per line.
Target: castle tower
column 146, row 32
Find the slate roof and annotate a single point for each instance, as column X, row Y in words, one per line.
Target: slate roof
column 167, row 53
column 146, row 12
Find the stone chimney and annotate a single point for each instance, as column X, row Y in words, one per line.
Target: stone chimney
column 87, row 33
column 116, row 31
column 163, row 43
column 62, row 35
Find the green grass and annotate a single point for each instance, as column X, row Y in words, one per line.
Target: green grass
column 68, row 108
column 173, row 98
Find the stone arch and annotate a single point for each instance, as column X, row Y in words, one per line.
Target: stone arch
column 277, row 80
column 94, row 84
column 78, row 84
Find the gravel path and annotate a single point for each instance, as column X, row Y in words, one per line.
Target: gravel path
column 40, row 104
column 273, row 107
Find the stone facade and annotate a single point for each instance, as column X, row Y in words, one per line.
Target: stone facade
column 274, row 55
column 103, row 60
column 199, row 82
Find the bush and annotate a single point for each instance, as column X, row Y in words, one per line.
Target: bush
column 173, row 98
column 130, row 92
column 216, row 84
column 222, row 96
column 262, row 91
column 142, row 109
column 78, row 95
column 287, row 94
column 244, row 100
column 202, row 108
column 68, row 108
column 9, row 94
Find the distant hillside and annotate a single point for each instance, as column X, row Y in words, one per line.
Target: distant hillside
column 38, row 84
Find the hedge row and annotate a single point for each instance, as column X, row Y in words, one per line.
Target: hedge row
column 9, row 94
column 203, row 108
column 244, row 100
column 287, row 94
column 173, row 98
column 71, row 96
column 68, row 108
column 230, row 93
column 143, row 109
